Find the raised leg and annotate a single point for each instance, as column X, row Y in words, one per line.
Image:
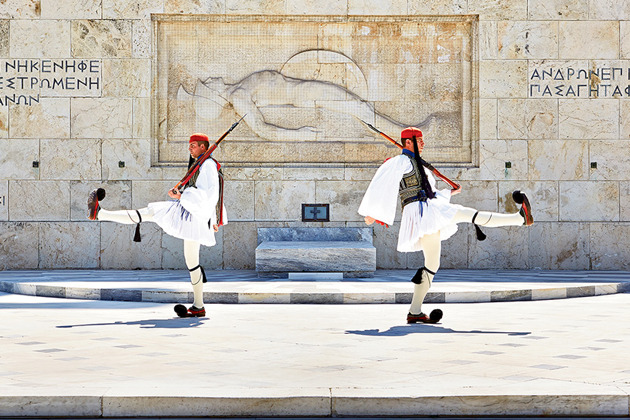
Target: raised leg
column 491, row 219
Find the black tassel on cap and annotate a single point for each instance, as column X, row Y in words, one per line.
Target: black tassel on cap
column 424, row 181
column 136, row 237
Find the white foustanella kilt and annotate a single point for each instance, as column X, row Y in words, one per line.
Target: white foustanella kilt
column 176, row 221
column 437, row 216
column 188, row 217
column 381, row 198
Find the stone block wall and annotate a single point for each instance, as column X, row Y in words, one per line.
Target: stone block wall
column 76, row 85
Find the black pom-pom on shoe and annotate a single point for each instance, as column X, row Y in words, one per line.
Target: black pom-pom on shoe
column 436, row 315
column 181, row 310
column 518, row 197
column 526, row 208
column 93, row 206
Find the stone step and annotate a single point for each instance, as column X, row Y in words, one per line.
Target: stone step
column 240, row 286
column 316, row 402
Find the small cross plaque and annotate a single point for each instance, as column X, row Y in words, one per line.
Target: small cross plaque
column 315, row 213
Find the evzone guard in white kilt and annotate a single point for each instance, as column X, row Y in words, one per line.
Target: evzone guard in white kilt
column 428, row 216
column 194, row 215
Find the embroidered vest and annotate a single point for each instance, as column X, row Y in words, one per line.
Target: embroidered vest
column 410, row 188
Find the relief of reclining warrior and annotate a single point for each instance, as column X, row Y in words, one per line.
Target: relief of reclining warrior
column 271, row 88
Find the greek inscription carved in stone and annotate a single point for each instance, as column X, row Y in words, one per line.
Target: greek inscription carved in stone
column 570, row 82
column 26, row 81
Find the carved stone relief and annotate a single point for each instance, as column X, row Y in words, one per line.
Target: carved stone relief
column 313, row 80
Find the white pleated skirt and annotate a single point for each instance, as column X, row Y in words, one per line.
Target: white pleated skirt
column 176, row 221
column 437, row 216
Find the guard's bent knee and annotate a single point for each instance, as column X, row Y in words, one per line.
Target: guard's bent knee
column 203, row 273
column 418, row 279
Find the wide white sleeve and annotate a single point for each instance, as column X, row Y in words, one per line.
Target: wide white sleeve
column 381, row 196
column 201, row 200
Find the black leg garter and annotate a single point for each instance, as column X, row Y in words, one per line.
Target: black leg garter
column 480, row 235
column 203, row 273
column 417, row 278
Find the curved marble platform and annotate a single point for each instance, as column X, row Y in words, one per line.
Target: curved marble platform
column 388, row 286
column 69, row 358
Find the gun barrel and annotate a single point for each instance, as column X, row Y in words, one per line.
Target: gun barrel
column 205, row 156
column 453, row 185
column 383, row 134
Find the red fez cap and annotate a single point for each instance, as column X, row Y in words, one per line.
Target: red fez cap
column 410, row 132
column 199, row 137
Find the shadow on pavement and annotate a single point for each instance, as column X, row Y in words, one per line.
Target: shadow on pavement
column 149, row 323
column 77, row 304
column 402, row 330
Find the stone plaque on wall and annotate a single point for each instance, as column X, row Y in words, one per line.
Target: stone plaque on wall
column 304, row 84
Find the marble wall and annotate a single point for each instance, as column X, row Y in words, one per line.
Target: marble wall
column 77, row 111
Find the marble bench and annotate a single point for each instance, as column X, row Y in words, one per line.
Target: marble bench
column 285, row 251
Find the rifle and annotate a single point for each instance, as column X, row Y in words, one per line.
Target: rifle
column 194, row 168
column 454, row 186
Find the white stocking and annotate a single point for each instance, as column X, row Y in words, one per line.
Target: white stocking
column 126, row 217
column 431, row 248
column 489, row 219
column 191, row 255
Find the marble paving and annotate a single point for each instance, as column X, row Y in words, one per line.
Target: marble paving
column 241, row 286
column 95, row 358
